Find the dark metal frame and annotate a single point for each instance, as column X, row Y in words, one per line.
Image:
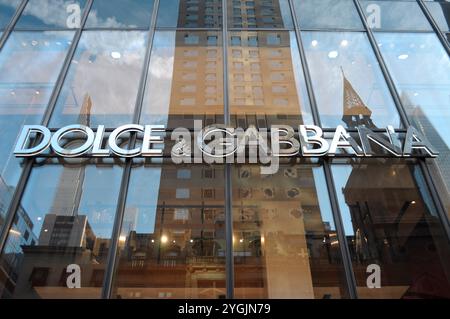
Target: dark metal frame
column 112, row 260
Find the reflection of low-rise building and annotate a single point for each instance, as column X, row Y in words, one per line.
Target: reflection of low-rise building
column 63, row 240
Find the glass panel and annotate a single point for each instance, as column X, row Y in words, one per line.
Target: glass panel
column 395, row 15
column 390, row 222
column 420, row 68
column 327, row 14
column 190, row 14
column 259, row 14
column 52, row 14
column 348, row 84
column 266, row 81
column 7, row 10
column 185, row 80
column 66, row 221
column 285, row 243
column 30, row 63
column 114, row 14
column 102, row 83
column 441, row 13
column 172, row 243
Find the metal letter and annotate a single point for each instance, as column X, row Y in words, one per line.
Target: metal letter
column 76, row 151
column 21, row 150
column 97, row 149
column 366, row 135
column 148, row 140
column 316, row 139
column 112, row 141
column 343, row 140
column 416, row 140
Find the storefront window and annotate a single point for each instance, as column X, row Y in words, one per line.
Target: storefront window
column 172, row 242
column 259, row 14
column 392, row 226
column 395, row 15
column 62, row 226
column 116, row 14
column 102, row 83
column 185, row 79
column 327, row 14
column 30, row 63
column 266, row 83
column 440, row 10
column 190, row 14
column 52, row 14
column 348, row 84
column 7, row 10
column 420, row 68
column 284, row 237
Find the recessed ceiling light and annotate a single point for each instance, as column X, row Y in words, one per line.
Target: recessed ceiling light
column 344, row 43
column 116, row 55
column 314, row 43
column 38, row 92
column 333, row 54
column 403, row 56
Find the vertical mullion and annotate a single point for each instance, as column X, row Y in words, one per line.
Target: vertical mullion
column 229, row 252
column 382, row 64
column 9, row 28
column 343, row 245
column 113, row 253
column 28, row 163
column 436, row 197
column 304, row 63
column 435, row 26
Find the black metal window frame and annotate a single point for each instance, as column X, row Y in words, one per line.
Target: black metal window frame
column 111, row 265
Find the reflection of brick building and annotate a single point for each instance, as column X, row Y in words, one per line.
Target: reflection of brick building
column 262, row 81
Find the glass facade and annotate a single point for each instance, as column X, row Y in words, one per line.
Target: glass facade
column 317, row 228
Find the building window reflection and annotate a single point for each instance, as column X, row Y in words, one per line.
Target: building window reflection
column 348, row 84
column 420, row 68
column 30, row 63
column 185, row 79
column 266, row 80
column 390, row 221
column 68, row 220
column 102, row 83
column 284, row 237
column 171, row 246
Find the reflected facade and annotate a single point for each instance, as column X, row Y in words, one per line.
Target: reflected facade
column 316, row 228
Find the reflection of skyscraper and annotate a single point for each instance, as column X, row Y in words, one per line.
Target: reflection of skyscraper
column 420, row 120
column 202, row 13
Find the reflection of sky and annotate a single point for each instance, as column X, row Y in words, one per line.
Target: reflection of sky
column 159, row 84
column 107, row 67
column 437, row 11
column 327, row 14
column 300, row 81
column 341, row 173
column 7, row 9
column 47, row 13
column 393, row 17
column 98, row 201
column 327, row 53
column 322, row 196
column 421, row 71
column 168, row 13
column 120, row 13
column 29, row 65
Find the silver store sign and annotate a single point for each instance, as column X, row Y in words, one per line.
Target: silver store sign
column 219, row 142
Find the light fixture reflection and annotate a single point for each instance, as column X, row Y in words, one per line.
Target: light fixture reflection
column 164, row 239
column 333, row 54
column 403, row 56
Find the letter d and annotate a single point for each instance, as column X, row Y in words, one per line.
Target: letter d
column 21, row 149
